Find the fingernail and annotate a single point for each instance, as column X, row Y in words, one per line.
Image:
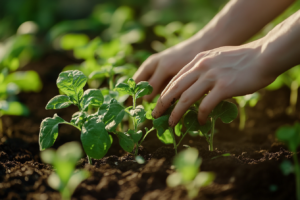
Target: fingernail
column 153, row 114
column 171, row 122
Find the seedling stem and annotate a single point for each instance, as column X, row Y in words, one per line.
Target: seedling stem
column 242, row 118
column 174, row 140
column 211, row 147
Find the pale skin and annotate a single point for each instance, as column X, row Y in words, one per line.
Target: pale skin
column 226, row 71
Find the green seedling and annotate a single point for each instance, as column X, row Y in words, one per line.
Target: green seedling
column 290, row 78
column 251, row 100
column 137, row 113
column 94, row 127
column 225, row 110
column 187, row 164
column 64, row 160
column 290, row 135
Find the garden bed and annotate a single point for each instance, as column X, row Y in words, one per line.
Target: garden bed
column 251, row 172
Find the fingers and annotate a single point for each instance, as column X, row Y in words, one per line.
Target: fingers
column 182, row 71
column 209, row 103
column 188, row 98
column 157, row 82
column 146, row 70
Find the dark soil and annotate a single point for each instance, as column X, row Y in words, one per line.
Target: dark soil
column 251, row 172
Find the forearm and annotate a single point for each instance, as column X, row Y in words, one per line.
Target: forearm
column 281, row 46
column 237, row 22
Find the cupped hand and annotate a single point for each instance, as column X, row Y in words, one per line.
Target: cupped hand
column 220, row 73
column 160, row 68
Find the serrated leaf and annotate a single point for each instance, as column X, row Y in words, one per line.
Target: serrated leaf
column 142, row 88
column 161, row 124
column 95, row 139
column 125, row 141
column 139, row 113
column 59, row 102
column 123, row 87
column 71, row 83
column 131, row 83
column 49, row 131
column 226, row 111
column 92, row 97
column 165, row 137
column 191, row 123
column 136, row 136
column 111, row 114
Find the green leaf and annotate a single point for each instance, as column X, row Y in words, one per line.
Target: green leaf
column 139, row 113
column 111, row 114
column 92, row 97
column 59, row 102
column 125, row 141
column 94, row 138
column 178, row 128
column 226, row 111
column 191, row 123
column 71, row 83
column 166, row 137
column 142, row 88
column 13, row 108
column 49, row 131
column 161, row 124
column 204, row 178
column 28, row 81
column 136, row 136
column 131, row 83
column 123, row 87
column 71, row 41
column 79, row 118
column 290, row 135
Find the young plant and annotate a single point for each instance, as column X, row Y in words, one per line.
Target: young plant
column 251, row 100
column 290, row 135
column 137, row 113
column 94, row 127
column 64, row 160
column 225, row 110
column 187, row 173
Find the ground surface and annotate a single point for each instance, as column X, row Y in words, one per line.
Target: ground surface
column 251, row 172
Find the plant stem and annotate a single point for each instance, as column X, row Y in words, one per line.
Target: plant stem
column 242, row 118
column 111, row 78
column 293, row 97
column 174, row 141
column 211, row 139
column 297, row 174
column 183, row 137
column 90, row 160
column 146, row 134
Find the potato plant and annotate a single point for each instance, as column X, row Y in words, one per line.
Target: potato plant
column 187, row 173
column 95, row 127
column 290, row 135
column 226, row 111
column 65, row 179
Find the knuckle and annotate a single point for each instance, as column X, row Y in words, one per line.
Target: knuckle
column 203, row 109
column 212, row 74
column 174, row 85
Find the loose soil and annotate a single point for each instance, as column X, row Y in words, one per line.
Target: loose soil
column 251, row 172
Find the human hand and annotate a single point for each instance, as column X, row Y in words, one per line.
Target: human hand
column 160, row 68
column 222, row 73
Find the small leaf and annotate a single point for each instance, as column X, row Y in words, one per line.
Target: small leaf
column 204, row 179
column 136, row 136
column 79, row 118
column 71, row 83
column 142, row 88
column 192, row 124
column 123, row 87
column 149, row 115
column 111, row 114
column 139, row 113
column 131, row 83
column 161, row 124
column 290, row 135
column 166, row 137
column 49, row 131
column 178, row 128
column 59, row 102
column 94, row 138
column 92, row 97
column 226, row 111
column 125, row 141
